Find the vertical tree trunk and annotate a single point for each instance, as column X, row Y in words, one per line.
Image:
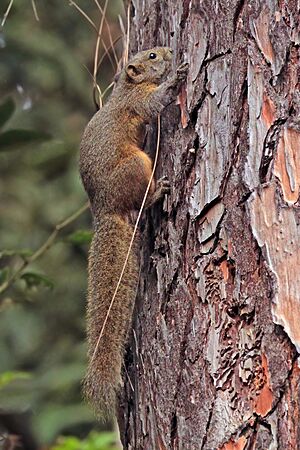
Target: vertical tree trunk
column 212, row 362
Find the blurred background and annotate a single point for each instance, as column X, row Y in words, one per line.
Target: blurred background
column 47, row 90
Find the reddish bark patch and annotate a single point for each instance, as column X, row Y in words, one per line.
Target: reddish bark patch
column 224, row 270
column 277, row 230
column 268, row 111
column 235, row 445
column 161, row 444
column 181, row 101
column 287, row 164
column 263, row 403
column 293, row 407
column 261, row 35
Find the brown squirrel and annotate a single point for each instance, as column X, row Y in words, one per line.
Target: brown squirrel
column 115, row 173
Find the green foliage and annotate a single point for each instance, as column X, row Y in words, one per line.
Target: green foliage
column 15, row 139
column 7, row 109
column 8, row 377
column 23, row 252
column 95, row 441
column 4, row 274
column 80, row 237
column 33, row 279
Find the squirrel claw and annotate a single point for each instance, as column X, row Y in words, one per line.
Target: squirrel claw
column 163, row 186
column 182, row 71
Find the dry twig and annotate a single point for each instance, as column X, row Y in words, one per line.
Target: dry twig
column 96, row 54
column 92, row 23
column 35, row 10
column 9, row 8
column 6, row 13
column 109, row 31
column 84, row 14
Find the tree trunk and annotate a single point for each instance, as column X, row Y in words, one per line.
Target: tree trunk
column 212, row 361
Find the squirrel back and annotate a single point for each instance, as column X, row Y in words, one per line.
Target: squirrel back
column 116, row 172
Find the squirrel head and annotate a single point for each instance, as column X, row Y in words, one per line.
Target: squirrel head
column 150, row 66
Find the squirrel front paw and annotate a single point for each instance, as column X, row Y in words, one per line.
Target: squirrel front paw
column 163, row 187
column 182, row 71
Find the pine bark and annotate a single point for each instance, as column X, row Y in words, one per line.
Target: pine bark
column 212, row 359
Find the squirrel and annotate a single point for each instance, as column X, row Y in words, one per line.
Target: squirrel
column 115, row 172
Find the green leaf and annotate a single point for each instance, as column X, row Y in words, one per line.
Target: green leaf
column 8, row 377
column 23, row 252
column 15, row 139
column 69, row 443
column 104, row 440
column 33, row 279
column 80, row 237
column 94, row 441
column 4, row 273
column 7, row 109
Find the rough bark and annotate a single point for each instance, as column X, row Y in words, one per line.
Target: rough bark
column 212, row 361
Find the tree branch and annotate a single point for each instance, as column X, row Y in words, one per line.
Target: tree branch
column 43, row 248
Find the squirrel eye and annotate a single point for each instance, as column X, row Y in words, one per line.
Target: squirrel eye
column 152, row 56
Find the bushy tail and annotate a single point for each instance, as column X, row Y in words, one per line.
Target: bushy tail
column 106, row 259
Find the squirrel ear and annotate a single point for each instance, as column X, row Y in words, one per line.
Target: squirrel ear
column 134, row 72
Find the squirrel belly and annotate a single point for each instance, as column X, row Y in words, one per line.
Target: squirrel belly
column 103, row 377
